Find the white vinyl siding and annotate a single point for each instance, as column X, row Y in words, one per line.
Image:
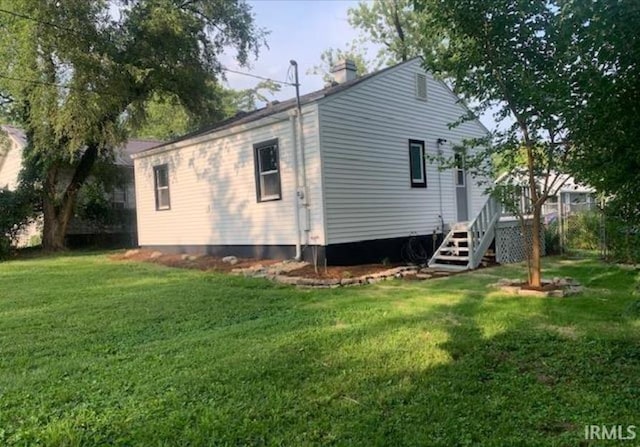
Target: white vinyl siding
column 364, row 134
column 213, row 188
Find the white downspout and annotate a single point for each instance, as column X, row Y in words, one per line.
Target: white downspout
column 301, row 189
column 296, row 208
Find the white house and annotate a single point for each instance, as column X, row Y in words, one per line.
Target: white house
column 567, row 195
column 350, row 182
column 122, row 197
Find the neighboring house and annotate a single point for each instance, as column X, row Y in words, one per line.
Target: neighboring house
column 569, row 197
column 122, row 197
column 357, row 187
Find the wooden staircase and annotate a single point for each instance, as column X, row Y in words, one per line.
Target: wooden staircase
column 467, row 242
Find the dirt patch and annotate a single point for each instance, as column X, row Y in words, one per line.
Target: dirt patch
column 338, row 272
column 199, row 262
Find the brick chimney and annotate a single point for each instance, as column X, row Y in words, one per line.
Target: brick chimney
column 344, row 71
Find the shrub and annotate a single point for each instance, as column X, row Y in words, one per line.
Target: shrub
column 622, row 240
column 623, row 230
column 16, row 210
column 583, row 230
column 552, row 238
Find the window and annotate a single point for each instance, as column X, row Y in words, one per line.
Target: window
column 460, row 174
column 416, row 164
column 161, row 181
column 119, row 198
column 267, row 171
column 421, row 86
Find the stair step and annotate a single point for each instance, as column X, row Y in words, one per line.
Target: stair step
column 452, row 258
column 452, row 252
column 448, row 267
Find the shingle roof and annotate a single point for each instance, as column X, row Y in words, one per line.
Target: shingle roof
column 277, row 107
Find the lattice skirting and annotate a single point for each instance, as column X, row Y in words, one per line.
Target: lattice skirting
column 511, row 246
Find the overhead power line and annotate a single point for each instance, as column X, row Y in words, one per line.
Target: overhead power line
column 75, row 32
column 42, row 22
column 255, row 76
column 34, row 81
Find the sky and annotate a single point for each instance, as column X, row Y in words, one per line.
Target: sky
column 299, row 30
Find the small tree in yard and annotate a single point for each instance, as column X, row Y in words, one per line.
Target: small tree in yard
column 78, row 74
column 512, row 57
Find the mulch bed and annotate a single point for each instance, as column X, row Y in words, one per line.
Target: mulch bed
column 340, row 272
column 208, row 263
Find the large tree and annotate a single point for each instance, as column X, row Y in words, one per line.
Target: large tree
column 165, row 117
column 512, row 57
column 606, row 86
column 331, row 56
column 79, row 73
column 390, row 24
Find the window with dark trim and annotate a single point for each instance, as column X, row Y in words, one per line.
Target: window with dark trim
column 161, row 186
column 267, row 165
column 460, row 169
column 417, row 164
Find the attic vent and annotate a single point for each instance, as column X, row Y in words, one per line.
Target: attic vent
column 421, row 86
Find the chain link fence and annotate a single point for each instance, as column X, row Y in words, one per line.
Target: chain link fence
column 587, row 227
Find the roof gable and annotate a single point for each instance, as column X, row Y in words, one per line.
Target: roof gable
column 282, row 106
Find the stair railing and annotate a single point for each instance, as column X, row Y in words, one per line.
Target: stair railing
column 481, row 231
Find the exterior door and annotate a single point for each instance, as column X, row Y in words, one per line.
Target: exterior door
column 461, row 188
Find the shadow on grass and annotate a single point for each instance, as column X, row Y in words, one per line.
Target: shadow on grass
column 212, row 360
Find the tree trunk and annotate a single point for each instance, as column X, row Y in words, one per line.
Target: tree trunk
column 54, row 230
column 58, row 212
column 535, row 274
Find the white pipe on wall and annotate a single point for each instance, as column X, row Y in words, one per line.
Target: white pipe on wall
column 296, row 207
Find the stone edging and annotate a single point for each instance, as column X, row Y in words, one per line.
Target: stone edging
column 393, row 273
column 567, row 287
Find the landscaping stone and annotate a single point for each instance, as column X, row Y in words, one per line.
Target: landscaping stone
column 155, row 255
column 130, row 253
column 291, row 280
column 349, row 281
column 288, row 266
column 424, row 275
column 513, row 290
column 564, row 287
column 529, row 292
column 230, row 260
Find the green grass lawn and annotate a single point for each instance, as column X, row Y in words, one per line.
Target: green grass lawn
column 96, row 352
